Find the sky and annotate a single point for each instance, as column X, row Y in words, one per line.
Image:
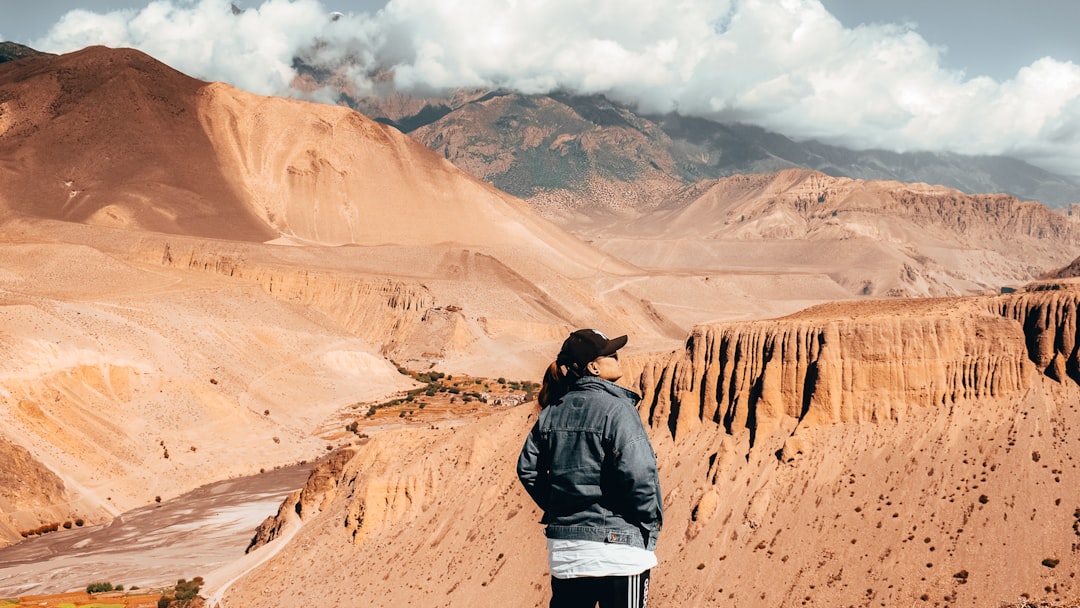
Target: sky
column 966, row 76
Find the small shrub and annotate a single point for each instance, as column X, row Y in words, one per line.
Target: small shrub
column 187, row 590
column 99, row 587
column 1050, row 562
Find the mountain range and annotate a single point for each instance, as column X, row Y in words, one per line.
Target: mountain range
column 576, row 152
column 198, row 283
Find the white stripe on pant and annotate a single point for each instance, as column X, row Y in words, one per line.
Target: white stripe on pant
column 637, row 592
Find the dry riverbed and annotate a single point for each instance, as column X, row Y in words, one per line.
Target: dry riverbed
column 153, row 546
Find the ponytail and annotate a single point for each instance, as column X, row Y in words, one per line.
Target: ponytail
column 557, row 380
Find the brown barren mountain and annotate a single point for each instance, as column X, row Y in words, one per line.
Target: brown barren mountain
column 878, row 454
column 575, row 155
column 104, row 137
column 146, row 315
column 870, row 237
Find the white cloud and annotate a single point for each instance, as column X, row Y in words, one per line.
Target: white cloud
column 786, row 65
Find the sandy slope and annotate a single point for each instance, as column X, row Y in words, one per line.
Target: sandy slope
column 139, row 386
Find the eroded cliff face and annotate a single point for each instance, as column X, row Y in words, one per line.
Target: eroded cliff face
column 879, row 453
column 319, row 490
column 815, row 368
column 32, row 498
column 373, row 308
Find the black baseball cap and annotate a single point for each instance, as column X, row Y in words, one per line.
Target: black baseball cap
column 584, row 345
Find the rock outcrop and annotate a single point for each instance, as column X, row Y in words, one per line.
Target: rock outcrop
column 308, row 501
column 866, row 362
column 33, row 499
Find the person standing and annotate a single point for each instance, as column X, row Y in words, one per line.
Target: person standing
column 589, row 465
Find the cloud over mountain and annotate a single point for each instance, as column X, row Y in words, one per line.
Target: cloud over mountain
column 788, row 66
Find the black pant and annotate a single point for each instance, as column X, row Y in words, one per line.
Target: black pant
column 608, row 591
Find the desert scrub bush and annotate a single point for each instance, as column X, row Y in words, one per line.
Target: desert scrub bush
column 99, row 587
column 429, row 377
column 187, row 590
column 53, row 527
column 182, row 594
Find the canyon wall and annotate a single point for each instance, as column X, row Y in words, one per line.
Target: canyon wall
column 866, row 365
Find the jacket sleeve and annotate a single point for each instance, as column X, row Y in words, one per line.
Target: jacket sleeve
column 634, row 469
column 533, row 471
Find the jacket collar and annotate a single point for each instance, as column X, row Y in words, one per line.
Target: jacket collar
column 592, row 383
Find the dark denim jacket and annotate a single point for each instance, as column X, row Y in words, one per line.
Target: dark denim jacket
column 589, row 465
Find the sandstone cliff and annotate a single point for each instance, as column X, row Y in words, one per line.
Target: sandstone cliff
column 885, row 453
